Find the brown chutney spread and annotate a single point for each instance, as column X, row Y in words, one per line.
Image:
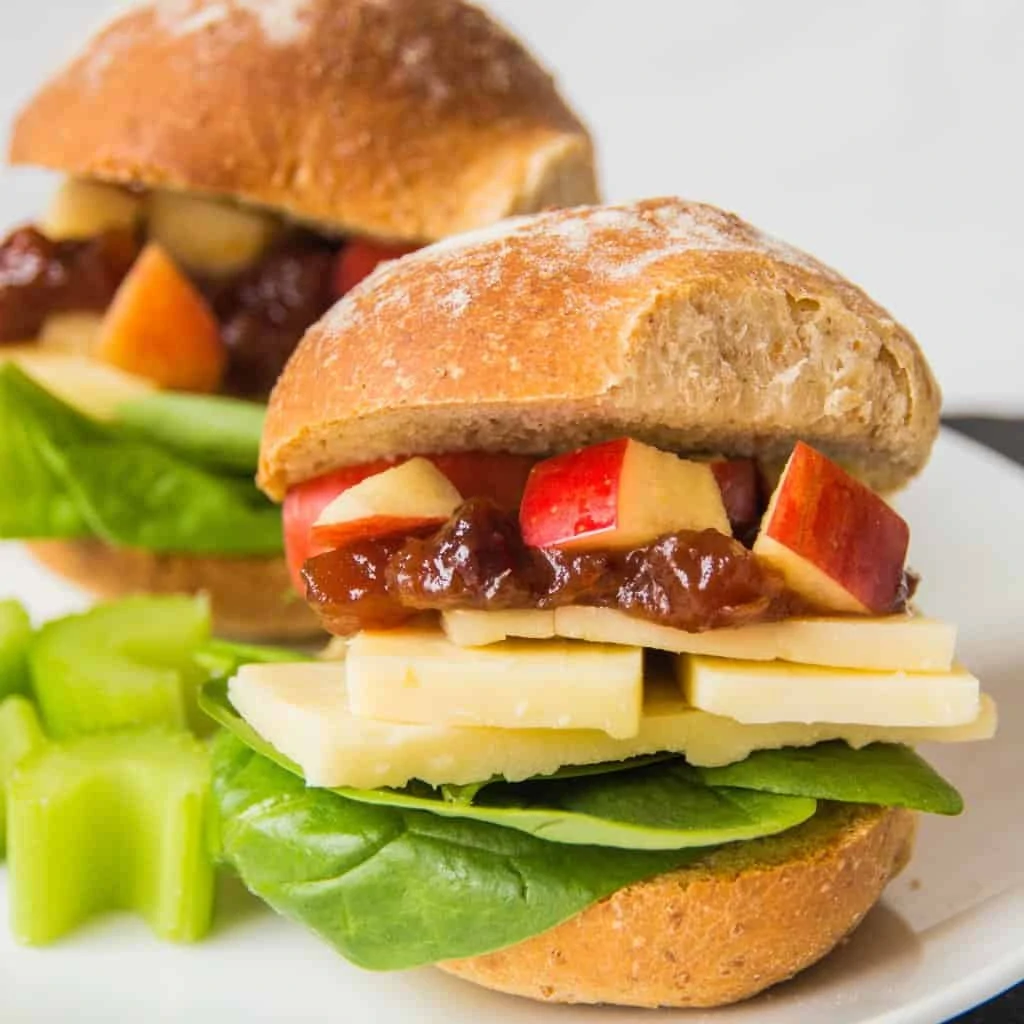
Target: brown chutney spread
column 691, row 580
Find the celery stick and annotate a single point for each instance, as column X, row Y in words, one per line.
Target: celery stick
column 15, row 634
column 20, row 734
column 121, row 664
column 111, row 822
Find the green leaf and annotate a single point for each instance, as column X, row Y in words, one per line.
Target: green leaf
column 223, row 658
column 15, row 637
column 887, row 774
column 111, row 822
column 20, row 734
column 208, row 430
column 68, row 476
column 658, row 806
column 120, row 664
column 391, row 888
column 33, row 425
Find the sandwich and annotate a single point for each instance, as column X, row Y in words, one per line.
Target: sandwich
column 629, row 670
column 230, row 170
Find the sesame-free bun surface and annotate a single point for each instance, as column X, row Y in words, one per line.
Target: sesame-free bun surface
column 250, row 598
column 401, row 119
column 670, row 321
column 746, row 917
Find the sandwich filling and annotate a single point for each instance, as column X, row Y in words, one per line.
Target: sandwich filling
column 585, row 670
column 140, row 335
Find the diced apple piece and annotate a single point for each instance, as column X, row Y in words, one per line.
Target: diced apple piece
column 760, row 692
column 209, row 236
column 420, row 676
column 894, row 643
column 82, row 209
column 478, row 629
column 837, row 543
column 160, row 327
column 409, row 497
column 619, row 494
column 71, row 333
column 740, row 483
column 302, row 710
column 359, row 258
column 91, row 387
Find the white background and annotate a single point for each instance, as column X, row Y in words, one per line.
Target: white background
column 884, row 136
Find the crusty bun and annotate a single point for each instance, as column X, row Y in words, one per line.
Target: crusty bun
column 250, row 598
column 745, row 917
column 393, row 118
column 670, row 321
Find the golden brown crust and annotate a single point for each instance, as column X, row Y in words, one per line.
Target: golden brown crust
column 250, row 598
column 393, row 118
column 670, row 321
column 716, row 932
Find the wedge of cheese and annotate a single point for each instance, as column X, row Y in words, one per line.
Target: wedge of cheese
column 895, row 642
column 759, row 692
column 478, row 629
column 420, row 676
column 303, row 711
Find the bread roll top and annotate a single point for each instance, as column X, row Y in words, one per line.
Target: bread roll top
column 670, row 321
column 391, row 118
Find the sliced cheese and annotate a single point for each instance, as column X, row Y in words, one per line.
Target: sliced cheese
column 753, row 692
column 478, row 629
column 303, row 711
column 895, row 642
column 405, row 675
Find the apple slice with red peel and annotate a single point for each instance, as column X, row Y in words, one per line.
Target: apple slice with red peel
column 740, row 483
column 837, row 543
column 619, row 494
column 413, row 496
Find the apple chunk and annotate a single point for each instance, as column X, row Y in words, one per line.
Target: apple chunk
column 619, row 494
column 835, row 541
column 408, row 497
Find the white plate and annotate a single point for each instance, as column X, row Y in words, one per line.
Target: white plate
column 949, row 934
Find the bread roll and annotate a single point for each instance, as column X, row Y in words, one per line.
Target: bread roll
column 670, row 321
column 746, row 917
column 250, row 598
column 392, row 118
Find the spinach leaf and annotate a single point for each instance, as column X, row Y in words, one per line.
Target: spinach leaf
column 208, row 430
column 68, row 476
column 223, row 658
column 661, row 806
column 391, row 888
column 883, row 773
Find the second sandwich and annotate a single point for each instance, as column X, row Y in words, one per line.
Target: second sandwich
column 232, row 170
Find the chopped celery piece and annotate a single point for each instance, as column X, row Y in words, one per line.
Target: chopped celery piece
column 15, row 635
column 111, row 822
column 121, row 664
column 20, row 734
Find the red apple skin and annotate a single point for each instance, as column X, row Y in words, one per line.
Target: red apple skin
column 841, row 526
column 497, row 476
column 338, row 535
column 360, row 258
column 303, row 505
column 573, row 495
column 742, row 491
